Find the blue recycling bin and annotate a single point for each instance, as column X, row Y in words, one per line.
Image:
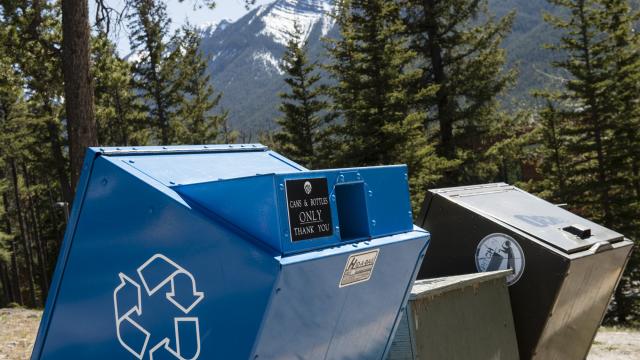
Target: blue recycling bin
column 230, row 252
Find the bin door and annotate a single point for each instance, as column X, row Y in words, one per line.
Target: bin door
column 536, row 217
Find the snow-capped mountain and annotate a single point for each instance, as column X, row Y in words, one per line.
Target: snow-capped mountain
column 245, row 56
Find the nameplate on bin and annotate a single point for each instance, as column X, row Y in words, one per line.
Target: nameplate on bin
column 308, row 208
column 359, row 267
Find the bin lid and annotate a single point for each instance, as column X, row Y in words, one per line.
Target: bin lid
column 545, row 221
column 185, row 165
column 436, row 286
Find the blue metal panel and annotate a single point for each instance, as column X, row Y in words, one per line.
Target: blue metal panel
column 317, row 319
column 192, row 168
column 162, row 259
column 116, row 233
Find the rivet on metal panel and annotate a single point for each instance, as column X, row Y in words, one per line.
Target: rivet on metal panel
column 104, row 181
column 370, row 193
column 333, row 197
column 337, row 228
column 406, row 177
column 358, row 176
column 410, row 213
column 373, row 222
column 341, row 178
column 282, row 187
column 286, row 235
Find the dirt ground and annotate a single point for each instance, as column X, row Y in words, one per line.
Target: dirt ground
column 18, row 329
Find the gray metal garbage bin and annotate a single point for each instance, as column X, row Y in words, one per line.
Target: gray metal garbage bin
column 457, row 318
column 565, row 267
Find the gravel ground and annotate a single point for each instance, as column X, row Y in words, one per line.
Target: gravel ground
column 18, row 329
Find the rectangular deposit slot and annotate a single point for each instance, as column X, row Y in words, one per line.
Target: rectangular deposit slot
column 352, row 211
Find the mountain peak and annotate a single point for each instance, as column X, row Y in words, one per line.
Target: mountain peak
column 281, row 16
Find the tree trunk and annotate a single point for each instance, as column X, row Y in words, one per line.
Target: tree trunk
column 5, row 295
column 15, row 271
column 59, row 161
column 23, row 235
column 78, row 83
column 35, row 227
column 433, row 52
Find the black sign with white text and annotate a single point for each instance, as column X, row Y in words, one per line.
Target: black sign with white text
column 309, row 209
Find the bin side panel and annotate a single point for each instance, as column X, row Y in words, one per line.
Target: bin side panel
column 470, row 322
column 312, row 317
column 454, row 236
column 581, row 304
column 124, row 223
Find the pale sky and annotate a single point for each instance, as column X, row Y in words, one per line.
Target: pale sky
column 180, row 13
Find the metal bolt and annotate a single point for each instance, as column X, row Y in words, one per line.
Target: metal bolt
column 358, row 176
column 370, row 193
column 281, row 186
column 373, row 222
column 333, row 197
column 341, row 178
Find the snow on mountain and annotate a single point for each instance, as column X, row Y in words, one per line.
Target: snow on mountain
column 281, row 20
column 245, row 56
column 268, row 61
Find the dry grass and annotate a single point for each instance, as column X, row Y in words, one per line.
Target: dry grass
column 18, row 329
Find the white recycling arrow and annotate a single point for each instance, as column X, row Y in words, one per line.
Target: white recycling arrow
column 155, row 274
column 163, row 265
column 126, row 283
column 178, row 352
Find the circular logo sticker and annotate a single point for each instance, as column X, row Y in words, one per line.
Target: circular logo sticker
column 307, row 187
column 500, row 252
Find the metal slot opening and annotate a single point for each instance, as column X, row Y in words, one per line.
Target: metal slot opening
column 352, row 211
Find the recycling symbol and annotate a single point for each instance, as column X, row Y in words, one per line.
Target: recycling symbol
column 156, row 274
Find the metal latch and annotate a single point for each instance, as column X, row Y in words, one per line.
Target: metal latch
column 578, row 230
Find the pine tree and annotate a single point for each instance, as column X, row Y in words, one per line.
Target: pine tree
column 197, row 122
column 597, row 116
column 458, row 44
column 303, row 106
column 119, row 114
column 154, row 68
column 373, row 70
